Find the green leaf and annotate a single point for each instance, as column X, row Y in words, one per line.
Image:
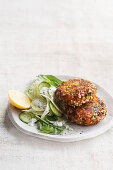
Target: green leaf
column 44, row 125
column 52, row 80
column 50, row 128
column 42, row 120
column 51, row 118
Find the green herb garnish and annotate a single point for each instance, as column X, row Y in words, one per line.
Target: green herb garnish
column 50, row 128
column 51, row 80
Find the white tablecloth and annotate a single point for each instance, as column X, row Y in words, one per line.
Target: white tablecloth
column 54, row 37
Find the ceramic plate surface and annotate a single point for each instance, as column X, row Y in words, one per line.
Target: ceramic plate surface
column 79, row 132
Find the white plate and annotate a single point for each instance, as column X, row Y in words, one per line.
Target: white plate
column 79, row 132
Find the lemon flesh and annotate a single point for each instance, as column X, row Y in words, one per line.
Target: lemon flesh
column 19, row 99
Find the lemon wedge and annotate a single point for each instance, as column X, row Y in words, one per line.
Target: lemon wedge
column 19, row 99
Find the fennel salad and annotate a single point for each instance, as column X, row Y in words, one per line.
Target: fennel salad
column 43, row 111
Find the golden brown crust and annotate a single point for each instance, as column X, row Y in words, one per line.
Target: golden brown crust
column 88, row 114
column 76, row 92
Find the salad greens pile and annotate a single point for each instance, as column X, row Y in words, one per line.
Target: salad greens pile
column 43, row 109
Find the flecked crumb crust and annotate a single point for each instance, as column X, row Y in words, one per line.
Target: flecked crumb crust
column 88, row 114
column 76, row 92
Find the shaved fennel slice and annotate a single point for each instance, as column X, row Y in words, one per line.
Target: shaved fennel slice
column 51, row 99
column 44, row 91
column 33, row 111
column 38, row 104
column 33, row 91
column 52, row 90
column 40, row 97
column 46, row 110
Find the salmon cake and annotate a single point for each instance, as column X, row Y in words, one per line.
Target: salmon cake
column 75, row 92
column 89, row 113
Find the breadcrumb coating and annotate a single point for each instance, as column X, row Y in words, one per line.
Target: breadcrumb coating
column 89, row 113
column 76, row 92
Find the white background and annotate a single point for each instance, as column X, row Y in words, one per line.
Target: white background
column 72, row 37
